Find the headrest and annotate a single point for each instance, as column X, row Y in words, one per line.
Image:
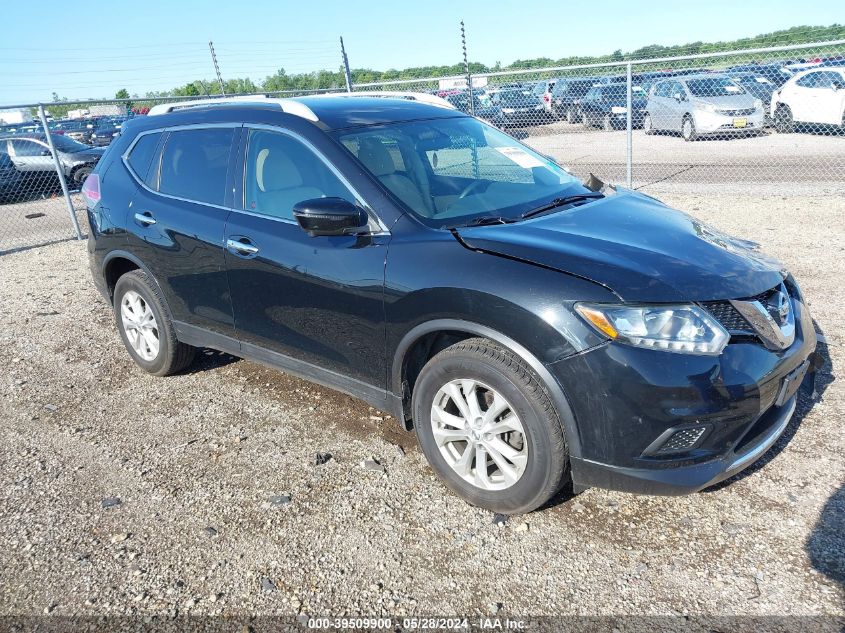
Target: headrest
column 275, row 171
column 375, row 157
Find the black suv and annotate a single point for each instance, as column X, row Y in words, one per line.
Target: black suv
column 531, row 329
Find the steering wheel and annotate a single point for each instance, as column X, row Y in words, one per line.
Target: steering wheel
column 468, row 188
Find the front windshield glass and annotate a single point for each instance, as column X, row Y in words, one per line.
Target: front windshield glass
column 714, row 87
column 449, row 171
column 67, row 144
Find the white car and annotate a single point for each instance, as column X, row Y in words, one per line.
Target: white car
column 812, row 96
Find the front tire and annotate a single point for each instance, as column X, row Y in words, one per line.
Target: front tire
column 145, row 327
column 688, row 128
column 784, row 122
column 487, row 426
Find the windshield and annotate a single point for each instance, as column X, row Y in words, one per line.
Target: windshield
column 449, row 171
column 67, row 144
column 514, row 97
column 714, row 87
column 621, row 92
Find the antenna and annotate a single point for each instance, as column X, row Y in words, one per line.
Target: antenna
column 346, row 66
column 216, row 67
column 466, row 69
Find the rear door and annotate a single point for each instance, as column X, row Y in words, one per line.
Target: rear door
column 31, row 156
column 177, row 218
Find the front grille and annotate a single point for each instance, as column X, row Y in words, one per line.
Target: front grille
column 728, row 317
column 681, row 441
column 741, row 112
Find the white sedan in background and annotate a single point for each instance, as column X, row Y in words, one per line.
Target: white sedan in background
column 814, row 96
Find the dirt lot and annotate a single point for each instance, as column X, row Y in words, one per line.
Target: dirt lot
column 202, row 464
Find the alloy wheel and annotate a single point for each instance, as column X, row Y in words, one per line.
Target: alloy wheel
column 479, row 434
column 140, row 326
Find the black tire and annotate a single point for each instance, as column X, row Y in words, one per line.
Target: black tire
column 688, row 128
column 547, row 468
column 173, row 356
column 784, row 122
column 648, row 126
column 81, row 174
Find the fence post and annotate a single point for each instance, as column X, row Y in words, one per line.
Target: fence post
column 346, row 71
column 59, row 171
column 629, row 131
column 466, row 69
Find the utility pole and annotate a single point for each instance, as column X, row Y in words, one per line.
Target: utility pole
column 216, row 67
column 466, row 69
column 346, row 66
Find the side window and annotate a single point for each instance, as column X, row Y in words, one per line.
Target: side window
column 660, row 89
column 827, row 79
column 807, row 81
column 281, row 171
column 142, row 154
column 194, row 164
column 23, row 148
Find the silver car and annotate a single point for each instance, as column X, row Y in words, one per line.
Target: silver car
column 703, row 104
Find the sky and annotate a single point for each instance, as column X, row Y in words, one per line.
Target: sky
column 158, row 45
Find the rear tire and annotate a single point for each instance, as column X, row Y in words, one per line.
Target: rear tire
column 784, row 122
column 81, row 174
column 648, row 126
column 514, row 418
column 144, row 324
column 688, row 128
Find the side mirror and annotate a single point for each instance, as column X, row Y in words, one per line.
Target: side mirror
column 678, row 97
column 838, row 85
column 45, row 152
column 329, row 216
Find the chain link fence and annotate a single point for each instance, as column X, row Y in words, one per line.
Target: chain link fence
column 768, row 119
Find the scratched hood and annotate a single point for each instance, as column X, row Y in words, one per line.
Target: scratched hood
column 636, row 246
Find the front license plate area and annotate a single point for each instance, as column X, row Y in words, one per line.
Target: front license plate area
column 740, row 122
column 791, row 383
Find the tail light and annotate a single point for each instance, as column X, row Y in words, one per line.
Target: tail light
column 91, row 189
column 546, row 97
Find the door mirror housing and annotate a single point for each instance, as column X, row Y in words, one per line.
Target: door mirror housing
column 329, row 216
column 837, row 85
column 678, row 97
column 45, row 152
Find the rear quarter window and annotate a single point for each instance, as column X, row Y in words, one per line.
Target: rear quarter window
column 141, row 154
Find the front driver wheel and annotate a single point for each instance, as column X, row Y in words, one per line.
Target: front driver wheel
column 488, row 428
column 145, row 326
column 688, row 129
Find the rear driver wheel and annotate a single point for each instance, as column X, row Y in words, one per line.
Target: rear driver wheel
column 488, row 427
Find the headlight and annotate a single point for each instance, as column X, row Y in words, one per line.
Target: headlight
column 758, row 103
column 618, row 109
column 673, row 328
column 708, row 107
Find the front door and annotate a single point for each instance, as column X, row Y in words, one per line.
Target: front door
column 31, row 156
column 318, row 300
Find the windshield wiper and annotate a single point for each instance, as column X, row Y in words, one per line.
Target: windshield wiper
column 559, row 202
column 484, row 220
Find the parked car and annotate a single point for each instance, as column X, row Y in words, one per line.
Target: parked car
column 105, row 131
column 543, row 92
column 606, row 106
column 706, row 104
column 10, row 179
column 556, row 332
column 756, row 85
column 775, row 72
column 810, row 97
column 567, row 95
column 483, row 109
column 518, row 108
column 31, row 156
column 77, row 129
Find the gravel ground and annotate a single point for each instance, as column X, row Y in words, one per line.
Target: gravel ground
column 200, row 493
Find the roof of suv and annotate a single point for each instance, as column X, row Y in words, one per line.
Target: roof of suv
column 328, row 112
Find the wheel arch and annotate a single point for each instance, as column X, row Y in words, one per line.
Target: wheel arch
column 426, row 334
column 118, row 263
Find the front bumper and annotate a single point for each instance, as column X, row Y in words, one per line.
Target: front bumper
column 629, row 402
column 717, row 123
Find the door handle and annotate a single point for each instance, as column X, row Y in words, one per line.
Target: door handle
column 144, row 218
column 241, row 248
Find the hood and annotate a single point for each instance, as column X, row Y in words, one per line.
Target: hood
column 636, row 246
column 92, row 153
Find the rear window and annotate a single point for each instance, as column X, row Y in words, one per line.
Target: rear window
column 194, row 164
column 142, row 154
